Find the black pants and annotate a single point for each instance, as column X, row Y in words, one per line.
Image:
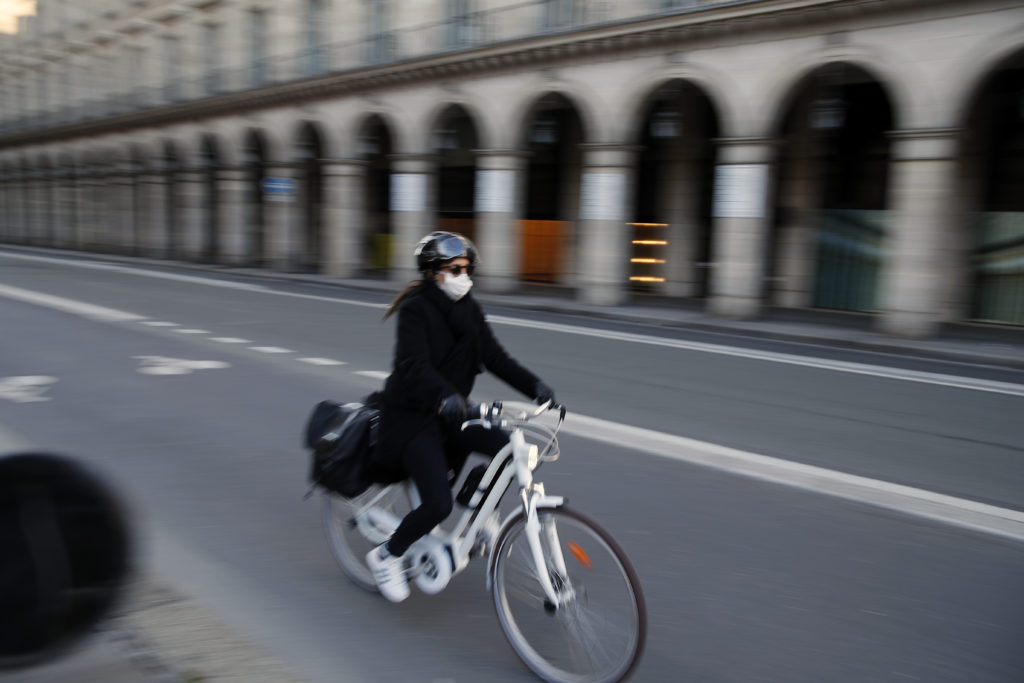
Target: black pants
column 425, row 461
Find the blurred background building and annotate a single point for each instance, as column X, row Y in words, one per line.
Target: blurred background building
column 853, row 155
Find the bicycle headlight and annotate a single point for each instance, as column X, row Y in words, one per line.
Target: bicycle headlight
column 533, row 458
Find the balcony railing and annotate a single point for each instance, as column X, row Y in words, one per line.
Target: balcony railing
column 505, row 24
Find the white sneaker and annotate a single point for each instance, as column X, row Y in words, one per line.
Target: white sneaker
column 387, row 571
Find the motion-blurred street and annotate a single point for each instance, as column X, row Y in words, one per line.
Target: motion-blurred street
column 870, row 559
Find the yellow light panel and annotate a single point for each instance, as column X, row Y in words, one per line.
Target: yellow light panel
column 646, row 260
column 640, row 278
column 656, row 243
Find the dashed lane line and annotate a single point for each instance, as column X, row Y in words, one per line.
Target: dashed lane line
column 190, row 331
column 375, row 374
column 270, row 349
column 230, row 340
column 321, row 361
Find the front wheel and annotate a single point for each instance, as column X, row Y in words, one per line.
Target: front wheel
column 597, row 632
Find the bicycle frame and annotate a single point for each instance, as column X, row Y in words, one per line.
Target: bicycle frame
column 515, row 461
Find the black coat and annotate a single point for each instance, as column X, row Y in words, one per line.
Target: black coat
column 441, row 346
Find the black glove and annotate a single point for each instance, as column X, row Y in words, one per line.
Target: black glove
column 453, row 409
column 543, row 393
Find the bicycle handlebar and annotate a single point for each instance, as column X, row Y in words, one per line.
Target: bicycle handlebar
column 493, row 414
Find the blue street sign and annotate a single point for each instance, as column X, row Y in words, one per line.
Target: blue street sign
column 279, row 186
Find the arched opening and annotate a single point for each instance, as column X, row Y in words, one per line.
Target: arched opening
column 670, row 233
column 374, row 146
column 454, row 143
column 172, row 168
column 310, row 150
column 830, row 231
column 552, row 135
column 209, row 160
column 994, row 171
column 254, row 158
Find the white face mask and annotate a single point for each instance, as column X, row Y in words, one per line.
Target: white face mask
column 455, row 287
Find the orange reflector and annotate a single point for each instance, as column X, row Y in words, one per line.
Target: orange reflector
column 580, row 554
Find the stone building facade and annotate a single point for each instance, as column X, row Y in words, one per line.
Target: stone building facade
column 854, row 155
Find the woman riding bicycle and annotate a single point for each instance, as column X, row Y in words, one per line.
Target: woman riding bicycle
column 442, row 344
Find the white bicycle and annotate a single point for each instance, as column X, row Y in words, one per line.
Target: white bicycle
column 566, row 595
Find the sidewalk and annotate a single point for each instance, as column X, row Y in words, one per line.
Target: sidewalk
column 160, row 636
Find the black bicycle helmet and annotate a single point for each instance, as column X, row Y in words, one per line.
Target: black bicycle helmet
column 440, row 247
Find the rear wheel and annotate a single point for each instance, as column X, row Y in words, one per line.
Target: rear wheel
column 350, row 534
column 597, row 632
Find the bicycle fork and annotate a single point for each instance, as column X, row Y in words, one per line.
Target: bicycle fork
column 537, row 536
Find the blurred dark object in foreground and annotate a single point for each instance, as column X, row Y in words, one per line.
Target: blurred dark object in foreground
column 64, row 555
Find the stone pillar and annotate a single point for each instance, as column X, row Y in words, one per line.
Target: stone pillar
column 500, row 202
column 281, row 215
column 60, row 216
column 605, row 192
column 232, row 187
column 741, row 226
column 344, row 217
column 925, row 209
column 83, row 201
column 121, row 218
column 190, row 214
column 412, row 198
column 154, row 218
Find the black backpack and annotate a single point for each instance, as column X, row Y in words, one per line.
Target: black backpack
column 343, row 438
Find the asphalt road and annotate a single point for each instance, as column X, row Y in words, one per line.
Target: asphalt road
column 746, row 580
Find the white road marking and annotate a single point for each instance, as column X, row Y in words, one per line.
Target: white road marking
column 231, row 340
column 162, row 365
column 191, row 331
column 67, row 305
column 950, row 510
column 190, row 278
column 26, row 388
column 321, row 361
column 159, row 323
column 270, row 349
column 375, row 374
column 954, row 381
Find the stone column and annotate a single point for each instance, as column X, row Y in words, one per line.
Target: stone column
column 500, row 202
column 60, row 216
column 154, row 218
column 232, row 186
column 740, row 227
column 280, row 221
column 344, row 217
column 924, row 210
column 190, row 214
column 412, row 198
column 605, row 191
column 83, row 202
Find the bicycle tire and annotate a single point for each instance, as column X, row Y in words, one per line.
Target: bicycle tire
column 598, row 574
column 347, row 543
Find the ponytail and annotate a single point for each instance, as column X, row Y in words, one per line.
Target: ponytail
column 402, row 296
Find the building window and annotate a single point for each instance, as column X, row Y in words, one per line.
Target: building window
column 257, row 47
column 172, row 68
column 559, row 13
column 381, row 41
column 461, row 24
column 315, row 45
column 211, row 59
